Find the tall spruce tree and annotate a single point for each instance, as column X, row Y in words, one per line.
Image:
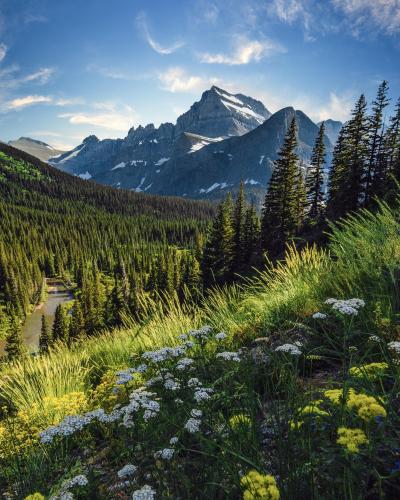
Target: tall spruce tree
column 375, row 124
column 315, row 179
column 45, row 337
column 354, row 193
column 251, row 234
column 60, row 326
column 14, row 347
column 219, row 250
column 279, row 214
column 238, row 226
column 392, row 148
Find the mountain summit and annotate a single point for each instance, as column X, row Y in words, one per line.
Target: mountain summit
column 222, row 139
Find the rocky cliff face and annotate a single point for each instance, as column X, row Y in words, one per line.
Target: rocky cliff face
column 220, row 141
column 221, row 114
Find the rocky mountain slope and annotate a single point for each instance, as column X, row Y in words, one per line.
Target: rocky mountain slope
column 36, row 148
column 222, row 139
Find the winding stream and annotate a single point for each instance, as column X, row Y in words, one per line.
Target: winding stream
column 56, row 294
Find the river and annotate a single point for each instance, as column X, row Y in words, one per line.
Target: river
column 56, row 294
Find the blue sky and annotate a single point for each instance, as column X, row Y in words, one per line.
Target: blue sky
column 71, row 68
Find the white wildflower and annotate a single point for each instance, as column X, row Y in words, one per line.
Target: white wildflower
column 145, row 493
column 374, row 338
column 189, row 344
column 349, row 307
column 127, row 470
column 79, row 480
column 184, row 363
column 178, row 401
column 171, row 384
column 183, row 337
column 193, row 382
column 229, row 356
column 165, row 454
column 141, row 368
column 220, row 336
column 124, row 376
column 173, row 440
column 394, row 346
column 289, row 348
column 196, row 413
column 319, row 315
column 193, row 425
column 164, row 354
column 202, row 333
column 202, row 394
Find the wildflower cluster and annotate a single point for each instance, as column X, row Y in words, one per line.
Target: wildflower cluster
column 351, row 439
column 259, row 486
column 366, row 407
column 349, row 307
column 65, row 493
column 372, row 371
column 293, row 349
column 145, row 493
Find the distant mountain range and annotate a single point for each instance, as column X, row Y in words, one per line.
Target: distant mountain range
column 36, row 148
column 222, row 139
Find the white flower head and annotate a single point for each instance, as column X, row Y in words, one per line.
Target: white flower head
column 348, row 307
column 394, row 347
column 184, row 363
column 229, row 356
column 319, row 315
column 196, row 413
column 221, row 336
column 193, row 425
column 127, row 470
column 165, row 454
column 289, row 349
column 145, row 493
column 173, row 440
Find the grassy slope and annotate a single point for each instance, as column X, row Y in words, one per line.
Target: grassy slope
column 362, row 261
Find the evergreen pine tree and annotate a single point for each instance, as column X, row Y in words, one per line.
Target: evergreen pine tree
column 44, row 339
column 315, row 179
column 354, row 193
column 219, row 250
column 238, row 226
column 251, row 233
column 60, row 327
column 301, row 199
column 77, row 323
column 279, row 214
column 375, row 123
column 392, row 148
column 14, row 347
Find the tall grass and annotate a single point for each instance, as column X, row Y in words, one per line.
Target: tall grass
column 366, row 251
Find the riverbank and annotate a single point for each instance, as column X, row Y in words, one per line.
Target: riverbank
column 55, row 293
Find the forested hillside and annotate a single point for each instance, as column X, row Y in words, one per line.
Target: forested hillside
column 114, row 244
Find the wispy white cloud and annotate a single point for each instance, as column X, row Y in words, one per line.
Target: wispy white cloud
column 23, row 102
column 141, row 21
column 3, row 51
column 41, row 76
column 116, row 120
column 73, row 101
column 383, row 14
column 245, row 52
column 360, row 18
column 178, row 80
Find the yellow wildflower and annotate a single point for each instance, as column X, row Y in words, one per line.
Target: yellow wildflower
column 259, row 486
column 372, row 370
column 239, row 421
column 351, row 439
column 34, row 496
column 367, row 407
column 313, row 409
column 295, row 425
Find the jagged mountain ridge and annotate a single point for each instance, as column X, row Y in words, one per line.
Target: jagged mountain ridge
column 197, row 162
column 218, row 114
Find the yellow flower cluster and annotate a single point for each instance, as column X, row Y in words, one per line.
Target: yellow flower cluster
column 313, row 409
column 106, row 394
column 34, row 496
column 351, row 439
column 21, row 431
column 239, row 421
column 259, row 486
column 367, row 407
column 372, row 370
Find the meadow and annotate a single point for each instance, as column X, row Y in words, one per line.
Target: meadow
column 273, row 388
